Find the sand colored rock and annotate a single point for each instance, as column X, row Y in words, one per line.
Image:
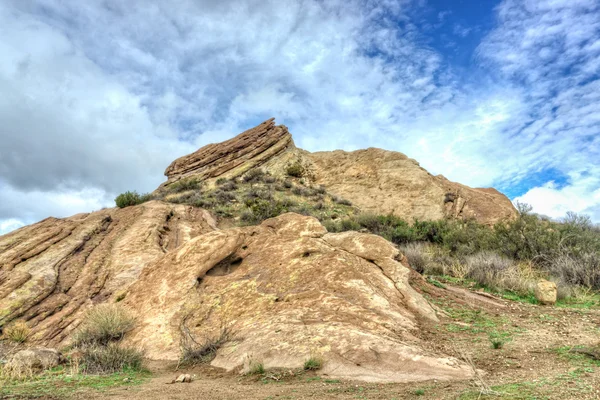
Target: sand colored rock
column 52, row 271
column 375, row 180
column 33, row 360
column 546, row 292
column 287, row 290
column 256, row 147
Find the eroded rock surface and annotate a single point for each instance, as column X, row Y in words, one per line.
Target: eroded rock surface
column 288, row 290
column 52, row 271
column 253, row 148
column 375, row 180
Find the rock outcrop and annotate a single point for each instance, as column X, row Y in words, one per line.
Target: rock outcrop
column 288, row 290
column 375, row 180
column 256, row 147
column 285, row 290
column 52, row 271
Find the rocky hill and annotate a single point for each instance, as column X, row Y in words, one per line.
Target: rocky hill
column 374, row 180
column 276, row 291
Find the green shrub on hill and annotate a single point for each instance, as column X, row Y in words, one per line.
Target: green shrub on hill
column 131, row 199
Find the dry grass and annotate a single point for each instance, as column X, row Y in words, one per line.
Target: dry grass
column 17, row 332
column 103, row 324
column 98, row 359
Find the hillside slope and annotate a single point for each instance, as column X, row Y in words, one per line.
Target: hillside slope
column 375, row 180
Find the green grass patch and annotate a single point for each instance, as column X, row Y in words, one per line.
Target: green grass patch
column 59, row 383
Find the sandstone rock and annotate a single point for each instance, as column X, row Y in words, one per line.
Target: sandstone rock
column 252, row 148
column 182, row 378
column 52, row 271
column 288, row 290
column 375, row 180
column 33, row 360
column 545, row 292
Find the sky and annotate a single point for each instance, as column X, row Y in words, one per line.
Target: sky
column 98, row 97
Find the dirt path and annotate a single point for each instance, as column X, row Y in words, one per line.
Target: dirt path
column 534, row 361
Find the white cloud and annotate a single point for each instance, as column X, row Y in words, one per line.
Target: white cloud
column 99, row 97
column 9, row 225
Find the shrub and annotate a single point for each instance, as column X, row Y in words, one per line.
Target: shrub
column 288, row 184
column 221, row 181
column 256, row 368
column 131, row 199
column 341, row 201
column 320, row 190
column 254, row 175
column 184, row 185
column 224, row 197
column 296, row 170
column 229, row 186
column 582, row 270
column 103, row 324
column 496, row 272
column 97, row 359
column 313, row 364
column 261, row 210
column 17, row 332
column 194, row 352
column 301, row 191
column 417, row 255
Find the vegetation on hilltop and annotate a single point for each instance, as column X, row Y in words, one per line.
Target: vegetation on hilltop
column 508, row 257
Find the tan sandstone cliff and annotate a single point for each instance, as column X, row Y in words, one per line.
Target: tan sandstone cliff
column 287, row 290
column 375, row 180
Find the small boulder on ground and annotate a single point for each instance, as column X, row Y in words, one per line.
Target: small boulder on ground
column 183, row 378
column 545, row 292
column 36, row 359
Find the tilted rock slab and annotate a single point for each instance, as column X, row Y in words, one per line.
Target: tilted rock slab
column 287, row 290
column 52, row 271
column 375, row 180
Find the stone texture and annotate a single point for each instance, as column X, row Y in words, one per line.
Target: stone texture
column 375, row 180
column 252, row 148
column 287, row 290
column 33, row 360
column 546, row 292
column 52, row 271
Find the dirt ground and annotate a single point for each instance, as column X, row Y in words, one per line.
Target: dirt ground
column 536, row 360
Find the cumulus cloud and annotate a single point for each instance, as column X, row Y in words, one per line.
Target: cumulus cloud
column 99, row 97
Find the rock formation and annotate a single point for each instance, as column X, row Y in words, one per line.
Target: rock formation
column 375, row 180
column 286, row 290
column 50, row 272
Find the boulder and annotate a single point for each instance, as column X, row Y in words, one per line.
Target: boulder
column 36, row 359
column 546, row 292
column 50, row 271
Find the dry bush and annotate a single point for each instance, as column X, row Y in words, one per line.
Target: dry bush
column 98, row 359
column 103, row 324
column 17, row 332
column 194, row 352
column 583, row 270
column 498, row 273
column 418, row 256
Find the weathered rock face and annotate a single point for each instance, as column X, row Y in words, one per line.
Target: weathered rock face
column 385, row 182
column 52, row 271
column 288, row 290
column 375, row 180
column 252, row 148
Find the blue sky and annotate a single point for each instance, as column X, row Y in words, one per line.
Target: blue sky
column 98, row 97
